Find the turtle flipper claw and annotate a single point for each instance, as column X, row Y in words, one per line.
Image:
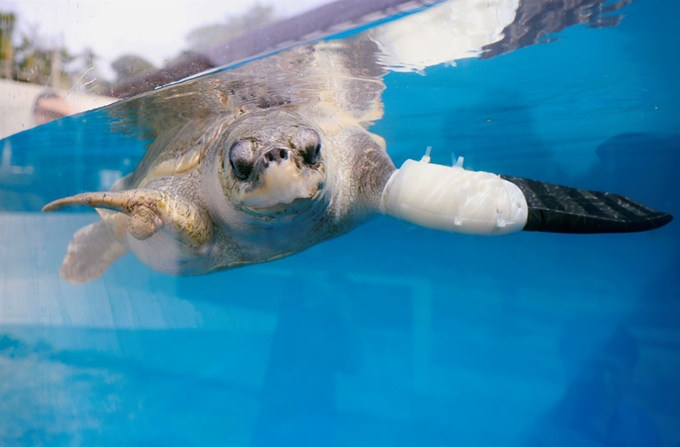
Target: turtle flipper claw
column 149, row 211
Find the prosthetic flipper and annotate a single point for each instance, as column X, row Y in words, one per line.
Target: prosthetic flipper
column 451, row 198
column 561, row 209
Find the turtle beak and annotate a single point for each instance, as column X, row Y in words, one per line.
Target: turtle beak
column 282, row 177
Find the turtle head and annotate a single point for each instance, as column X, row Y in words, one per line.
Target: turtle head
column 272, row 163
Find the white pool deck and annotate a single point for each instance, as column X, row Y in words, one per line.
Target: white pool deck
column 17, row 99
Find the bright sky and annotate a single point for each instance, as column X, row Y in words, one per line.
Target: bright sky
column 154, row 29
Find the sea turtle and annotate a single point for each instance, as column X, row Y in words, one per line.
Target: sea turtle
column 268, row 159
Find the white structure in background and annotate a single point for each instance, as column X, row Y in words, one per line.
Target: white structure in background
column 17, row 100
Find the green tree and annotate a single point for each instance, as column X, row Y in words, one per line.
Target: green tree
column 35, row 63
column 209, row 35
column 30, row 57
column 7, row 26
column 86, row 76
column 38, row 62
column 130, row 65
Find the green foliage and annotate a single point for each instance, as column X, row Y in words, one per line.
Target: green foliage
column 209, row 35
column 29, row 60
column 25, row 55
column 7, row 25
column 34, row 62
column 130, row 66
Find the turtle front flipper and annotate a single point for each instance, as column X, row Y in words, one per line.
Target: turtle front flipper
column 150, row 211
column 451, row 198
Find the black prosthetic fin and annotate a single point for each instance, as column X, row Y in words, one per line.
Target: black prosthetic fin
column 561, row 209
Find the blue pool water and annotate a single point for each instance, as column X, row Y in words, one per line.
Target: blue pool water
column 391, row 335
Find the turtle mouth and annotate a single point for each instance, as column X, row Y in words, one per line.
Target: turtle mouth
column 282, row 187
column 277, row 209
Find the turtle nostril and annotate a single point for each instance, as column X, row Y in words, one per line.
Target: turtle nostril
column 276, row 155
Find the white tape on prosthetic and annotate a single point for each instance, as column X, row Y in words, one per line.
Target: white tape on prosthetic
column 450, row 198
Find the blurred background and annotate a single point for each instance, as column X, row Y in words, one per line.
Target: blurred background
column 59, row 57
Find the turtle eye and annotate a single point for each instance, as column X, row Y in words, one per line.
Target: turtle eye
column 241, row 158
column 311, row 154
column 308, row 142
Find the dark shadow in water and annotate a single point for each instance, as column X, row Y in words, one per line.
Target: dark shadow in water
column 647, row 164
column 497, row 135
column 642, row 166
column 645, row 167
column 313, row 345
column 597, row 408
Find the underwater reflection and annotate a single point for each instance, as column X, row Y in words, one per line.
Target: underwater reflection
column 312, row 345
column 430, row 32
column 50, row 397
column 598, row 407
column 540, row 21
